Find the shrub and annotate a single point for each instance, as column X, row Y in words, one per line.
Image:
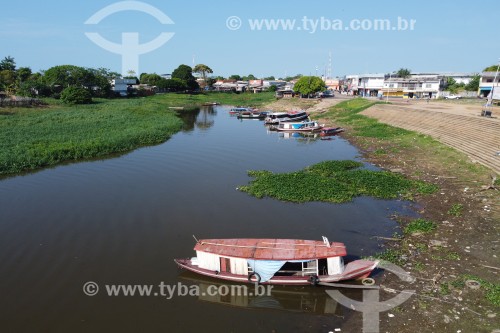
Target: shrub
column 76, row 95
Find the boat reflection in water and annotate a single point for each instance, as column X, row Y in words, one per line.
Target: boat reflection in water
column 306, row 137
column 303, row 299
column 299, row 135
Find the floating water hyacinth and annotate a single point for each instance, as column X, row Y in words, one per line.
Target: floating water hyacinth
column 333, row 181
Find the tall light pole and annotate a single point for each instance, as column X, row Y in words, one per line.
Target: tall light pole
column 388, row 85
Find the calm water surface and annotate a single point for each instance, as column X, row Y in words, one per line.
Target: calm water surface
column 123, row 221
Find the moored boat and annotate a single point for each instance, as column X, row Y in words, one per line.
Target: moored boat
column 238, row 110
column 251, row 115
column 304, row 126
column 275, row 261
column 327, row 131
column 277, row 117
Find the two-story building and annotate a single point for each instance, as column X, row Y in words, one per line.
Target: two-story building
column 370, row 85
column 486, row 84
column 414, row 86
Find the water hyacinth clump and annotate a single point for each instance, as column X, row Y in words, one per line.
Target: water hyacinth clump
column 333, row 181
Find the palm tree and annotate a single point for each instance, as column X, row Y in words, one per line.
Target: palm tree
column 203, row 70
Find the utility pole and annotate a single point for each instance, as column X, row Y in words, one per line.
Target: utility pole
column 388, row 85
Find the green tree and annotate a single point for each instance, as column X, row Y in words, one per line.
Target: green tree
column 185, row 73
column 76, row 95
column 249, row 77
column 492, row 68
column 8, row 80
column 100, row 85
column 235, row 77
column 8, row 63
column 403, row 73
column 108, row 74
column 68, row 76
column 173, row 85
column 152, row 79
column 473, row 84
column 34, row 88
column 95, row 81
column 308, row 85
column 290, row 78
column 270, row 78
column 203, row 70
column 23, row 74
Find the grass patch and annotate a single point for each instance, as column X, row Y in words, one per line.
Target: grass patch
column 331, row 181
column 444, row 289
column 419, row 225
column 32, row 138
column 491, row 290
column 394, row 256
column 418, row 266
column 456, row 210
column 452, row 256
column 348, row 114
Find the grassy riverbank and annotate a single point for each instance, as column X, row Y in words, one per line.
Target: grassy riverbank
column 32, row 138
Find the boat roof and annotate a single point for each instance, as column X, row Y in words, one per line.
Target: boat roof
column 304, row 122
column 271, row 249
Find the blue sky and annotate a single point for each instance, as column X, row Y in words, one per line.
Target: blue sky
column 459, row 36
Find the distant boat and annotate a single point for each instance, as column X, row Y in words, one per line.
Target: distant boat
column 277, row 117
column 304, row 126
column 275, row 261
column 327, row 131
column 237, row 110
column 211, row 103
column 251, row 115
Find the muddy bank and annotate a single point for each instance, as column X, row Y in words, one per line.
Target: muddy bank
column 456, row 265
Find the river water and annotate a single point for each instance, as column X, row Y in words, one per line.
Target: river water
column 123, row 220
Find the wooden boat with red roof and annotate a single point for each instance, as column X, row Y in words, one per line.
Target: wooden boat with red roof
column 275, row 261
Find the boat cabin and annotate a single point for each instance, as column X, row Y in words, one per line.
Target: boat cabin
column 303, row 126
column 270, row 257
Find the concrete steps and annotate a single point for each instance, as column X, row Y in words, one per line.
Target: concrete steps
column 476, row 136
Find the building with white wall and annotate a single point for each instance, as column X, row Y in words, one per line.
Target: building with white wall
column 122, row 86
column 414, row 86
column 370, row 85
column 486, row 84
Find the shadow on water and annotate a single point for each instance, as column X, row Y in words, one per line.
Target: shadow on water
column 300, row 299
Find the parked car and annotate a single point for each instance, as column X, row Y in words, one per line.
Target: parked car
column 453, row 97
column 325, row 94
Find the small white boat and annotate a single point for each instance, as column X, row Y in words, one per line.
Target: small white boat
column 305, row 126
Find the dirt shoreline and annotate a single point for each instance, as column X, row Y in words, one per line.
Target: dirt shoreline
column 464, row 243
